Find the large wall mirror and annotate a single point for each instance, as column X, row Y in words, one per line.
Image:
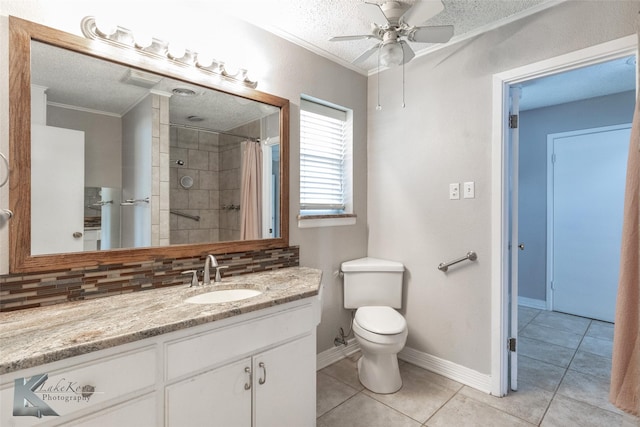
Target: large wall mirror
column 117, row 157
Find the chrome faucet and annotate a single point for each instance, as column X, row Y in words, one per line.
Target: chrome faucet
column 210, row 261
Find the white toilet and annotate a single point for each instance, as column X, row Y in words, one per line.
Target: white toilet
column 374, row 287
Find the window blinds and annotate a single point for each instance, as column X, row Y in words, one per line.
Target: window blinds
column 322, row 155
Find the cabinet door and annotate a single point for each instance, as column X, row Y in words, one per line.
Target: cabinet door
column 214, row 398
column 285, row 385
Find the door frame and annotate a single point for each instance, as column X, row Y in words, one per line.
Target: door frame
column 500, row 316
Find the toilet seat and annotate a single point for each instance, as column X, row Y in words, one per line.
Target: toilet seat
column 380, row 320
column 391, row 325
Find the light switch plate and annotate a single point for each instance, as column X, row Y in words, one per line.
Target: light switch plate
column 454, row 191
column 469, row 190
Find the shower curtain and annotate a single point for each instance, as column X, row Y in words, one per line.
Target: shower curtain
column 251, row 191
column 625, row 370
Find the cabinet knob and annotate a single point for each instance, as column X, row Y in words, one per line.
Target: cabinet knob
column 87, row 390
column 247, row 386
column 77, row 234
column 264, row 372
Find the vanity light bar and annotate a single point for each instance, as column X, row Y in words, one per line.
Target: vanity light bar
column 160, row 49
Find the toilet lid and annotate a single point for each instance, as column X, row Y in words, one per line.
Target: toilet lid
column 380, row 320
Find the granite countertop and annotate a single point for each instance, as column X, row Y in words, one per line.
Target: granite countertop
column 41, row 335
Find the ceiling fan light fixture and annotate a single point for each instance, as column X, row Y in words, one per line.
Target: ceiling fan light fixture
column 391, row 53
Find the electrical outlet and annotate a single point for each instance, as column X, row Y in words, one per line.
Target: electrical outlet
column 454, row 191
column 469, row 190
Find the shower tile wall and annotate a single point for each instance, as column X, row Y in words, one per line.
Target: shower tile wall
column 200, row 153
column 213, row 161
column 230, row 155
column 160, row 228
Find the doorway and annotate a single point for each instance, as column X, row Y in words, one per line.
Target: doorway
column 504, row 183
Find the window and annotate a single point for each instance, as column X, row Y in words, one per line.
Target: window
column 325, row 159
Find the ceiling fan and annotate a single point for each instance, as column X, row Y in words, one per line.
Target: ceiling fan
column 395, row 24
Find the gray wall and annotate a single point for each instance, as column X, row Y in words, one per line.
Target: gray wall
column 281, row 68
column 535, row 125
column 444, row 135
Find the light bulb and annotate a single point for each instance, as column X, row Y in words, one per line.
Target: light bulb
column 204, row 60
column 231, row 69
column 391, row 54
column 105, row 26
column 176, row 50
column 142, row 40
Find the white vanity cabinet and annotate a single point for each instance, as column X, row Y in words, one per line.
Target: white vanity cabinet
column 272, row 385
column 272, row 388
column 254, row 369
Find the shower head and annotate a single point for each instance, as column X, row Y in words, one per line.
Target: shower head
column 180, row 162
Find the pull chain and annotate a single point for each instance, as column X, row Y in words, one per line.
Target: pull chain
column 378, row 107
column 403, row 62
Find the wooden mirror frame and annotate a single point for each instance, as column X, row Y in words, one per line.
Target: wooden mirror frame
column 21, row 33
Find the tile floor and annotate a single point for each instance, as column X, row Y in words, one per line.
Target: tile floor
column 564, row 364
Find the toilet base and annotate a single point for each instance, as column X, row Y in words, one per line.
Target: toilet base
column 380, row 373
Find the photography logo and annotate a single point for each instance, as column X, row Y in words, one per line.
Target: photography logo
column 26, row 402
column 32, row 396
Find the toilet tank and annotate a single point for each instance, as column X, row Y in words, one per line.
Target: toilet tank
column 372, row 281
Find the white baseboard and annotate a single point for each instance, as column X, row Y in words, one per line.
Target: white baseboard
column 431, row 363
column 336, row 354
column 532, row 303
column 447, row 369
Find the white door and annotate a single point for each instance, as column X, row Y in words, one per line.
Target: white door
column 284, row 385
column 513, row 153
column 221, row 397
column 57, row 190
column 587, row 182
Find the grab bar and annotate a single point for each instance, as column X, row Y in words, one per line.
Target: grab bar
column 471, row 256
column 193, row 217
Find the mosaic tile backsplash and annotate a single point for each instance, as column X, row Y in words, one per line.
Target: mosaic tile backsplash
column 23, row 291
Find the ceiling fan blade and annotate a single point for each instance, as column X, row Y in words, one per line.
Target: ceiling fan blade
column 408, row 52
column 360, row 59
column 374, row 13
column 346, row 38
column 440, row 34
column 421, row 11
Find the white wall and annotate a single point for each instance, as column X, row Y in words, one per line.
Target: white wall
column 535, row 125
column 443, row 136
column 281, row 68
column 103, row 143
column 136, row 175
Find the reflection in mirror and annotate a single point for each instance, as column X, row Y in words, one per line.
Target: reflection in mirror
column 143, row 160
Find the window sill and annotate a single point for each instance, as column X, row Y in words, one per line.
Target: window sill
column 314, row 221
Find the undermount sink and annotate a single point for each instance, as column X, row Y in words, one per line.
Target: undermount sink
column 223, row 295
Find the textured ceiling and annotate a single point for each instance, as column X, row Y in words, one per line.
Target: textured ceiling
column 311, row 23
